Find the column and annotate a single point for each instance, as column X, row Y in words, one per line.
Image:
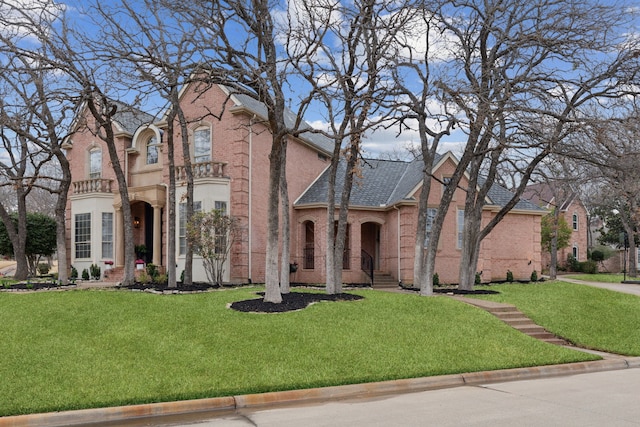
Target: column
column 157, row 235
column 119, row 238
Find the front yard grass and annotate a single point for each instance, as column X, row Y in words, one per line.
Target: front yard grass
column 600, row 277
column 82, row 349
column 587, row 316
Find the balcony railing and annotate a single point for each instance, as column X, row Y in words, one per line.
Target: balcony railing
column 202, row 170
column 96, row 185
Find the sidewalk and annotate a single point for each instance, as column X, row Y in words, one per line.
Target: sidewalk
column 626, row 288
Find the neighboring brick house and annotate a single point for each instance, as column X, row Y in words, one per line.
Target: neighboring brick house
column 549, row 196
column 231, row 170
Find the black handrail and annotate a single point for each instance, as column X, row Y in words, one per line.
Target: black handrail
column 366, row 264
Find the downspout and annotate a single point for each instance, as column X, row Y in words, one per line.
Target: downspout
column 399, row 278
column 166, row 221
column 250, row 240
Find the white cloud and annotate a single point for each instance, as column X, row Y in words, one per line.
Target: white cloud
column 20, row 16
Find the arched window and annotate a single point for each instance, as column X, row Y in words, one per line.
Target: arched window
column 95, row 163
column 152, row 150
column 202, row 144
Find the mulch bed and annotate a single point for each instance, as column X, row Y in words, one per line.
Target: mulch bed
column 162, row 287
column 290, row 302
column 35, row 286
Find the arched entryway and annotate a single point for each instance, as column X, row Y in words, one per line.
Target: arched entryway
column 143, row 235
column 370, row 242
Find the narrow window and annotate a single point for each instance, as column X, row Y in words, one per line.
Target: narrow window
column 83, row 235
column 95, row 163
column 575, row 252
column 182, row 224
column 221, row 238
column 460, row 227
column 107, row 235
column 431, row 216
column 309, row 245
column 202, row 145
column 152, row 151
column 575, row 221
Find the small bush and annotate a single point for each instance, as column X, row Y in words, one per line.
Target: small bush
column 152, row 271
column 572, row 263
column 509, row 276
column 534, row 276
column 436, row 280
column 478, row 279
column 161, row 279
column 588, row 267
column 43, row 268
column 597, row 255
column 94, row 271
column 74, row 273
column 144, row 277
column 85, row 274
column 182, row 276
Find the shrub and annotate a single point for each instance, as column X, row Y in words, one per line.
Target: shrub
column 85, row 274
column 182, row 276
column 43, row 268
column 74, row 273
column 572, row 263
column 509, row 276
column 95, row 271
column 534, row 276
column 478, row 279
column 161, row 279
column 588, row 267
column 152, row 271
column 597, row 255
column 143, row 277
column 436, row 280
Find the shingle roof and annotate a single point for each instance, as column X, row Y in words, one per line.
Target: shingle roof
column 319, row 141
column 130, row 118
column 383, row 183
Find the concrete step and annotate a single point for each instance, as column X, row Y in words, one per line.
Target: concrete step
column 509, row 315
column 517, row 321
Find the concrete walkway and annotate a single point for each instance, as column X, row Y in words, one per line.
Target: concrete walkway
column 626, row 288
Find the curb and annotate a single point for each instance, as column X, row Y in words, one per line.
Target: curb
column 313, row 395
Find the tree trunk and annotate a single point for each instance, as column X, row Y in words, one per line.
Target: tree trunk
column 553, row 263
column 186, row 155
column 286, row 230
column 172, row 280
column 272, row 284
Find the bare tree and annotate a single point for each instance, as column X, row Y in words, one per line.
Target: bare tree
column 160, row 51
column 347, row 58
column 520, row 73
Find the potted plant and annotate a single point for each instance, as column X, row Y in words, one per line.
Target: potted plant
column 141, row 251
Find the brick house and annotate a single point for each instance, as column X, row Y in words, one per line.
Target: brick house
column 231, row 168
column 574, row 213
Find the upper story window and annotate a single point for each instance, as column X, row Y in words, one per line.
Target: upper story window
column 95, row 163
column 574, row 221
column 152, row 150
column 202, row 144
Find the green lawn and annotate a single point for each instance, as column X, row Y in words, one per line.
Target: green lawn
column 588, row 316
column 80, row 349
column 601, row 277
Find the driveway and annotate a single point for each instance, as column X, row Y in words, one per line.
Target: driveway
column 627, row 288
